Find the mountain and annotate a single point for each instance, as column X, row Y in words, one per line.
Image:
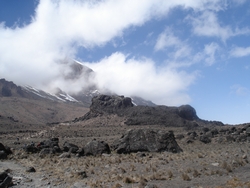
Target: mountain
column 29, row 105
column 72, row 72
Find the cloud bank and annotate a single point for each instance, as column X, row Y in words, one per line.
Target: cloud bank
column 29, row 54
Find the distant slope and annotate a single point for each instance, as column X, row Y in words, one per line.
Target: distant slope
column 27, row 105
column 32, row 111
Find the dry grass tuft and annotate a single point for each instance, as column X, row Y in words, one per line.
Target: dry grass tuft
column 117, row 185
column 170, row 174
column 196, row 173
column 128, row 180
column 185, row 177
column 142, row 182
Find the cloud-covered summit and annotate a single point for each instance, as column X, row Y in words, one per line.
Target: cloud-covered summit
column 154, row 49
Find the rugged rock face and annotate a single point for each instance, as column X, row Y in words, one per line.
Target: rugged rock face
column 140, row 140
column 110, row 104
column 140, row 115
column 8, row 89
column 159, row 115
column 105, row 104
column 187, row 112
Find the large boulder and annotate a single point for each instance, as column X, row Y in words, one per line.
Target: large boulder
column 95, row 147
column 69, row 147
column 3, row 154
column 139, row 140
column 5, row 180
column 31, row 148
column 4, row 151
column 50, row 143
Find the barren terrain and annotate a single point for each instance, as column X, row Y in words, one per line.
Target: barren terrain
column 214, row 155
column 199, row 165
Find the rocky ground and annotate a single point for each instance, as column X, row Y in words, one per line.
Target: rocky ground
column 217, row 157
column 116, row 144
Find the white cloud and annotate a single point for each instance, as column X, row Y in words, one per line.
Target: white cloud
column 28, row 53
column 166, row 39
column 239, row 2
column 210, row 53
column 240, row 51
column 207, row 24
column 239, row 90
column 172, row 45
column 141, row 77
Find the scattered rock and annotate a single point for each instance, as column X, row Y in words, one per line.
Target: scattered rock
column 146, row 140
column 215, row 164
column 140, row 154
column 230, row 138
column 80, row 185
column 46, row 151
column 80, row 152
column 192, row 135
column 205, row 139
column 179, row 136
column 82, row 174
column 31, row 169
column 65, row 155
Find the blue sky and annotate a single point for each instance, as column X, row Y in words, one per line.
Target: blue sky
column 172, row 53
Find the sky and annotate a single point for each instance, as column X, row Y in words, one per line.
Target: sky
column 170, row 52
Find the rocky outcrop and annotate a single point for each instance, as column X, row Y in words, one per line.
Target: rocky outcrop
column 141, row 115
column 105, row 104
column 140, row 140
column 187, row 112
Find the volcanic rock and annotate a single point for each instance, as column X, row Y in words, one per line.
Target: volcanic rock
column 3, row 154
column 205, row 139
column 95, row 147
column 31, row 148
column 187, row 112
column 4, row 151
column 140, row 140
column 68, row 147
column 5, row 180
